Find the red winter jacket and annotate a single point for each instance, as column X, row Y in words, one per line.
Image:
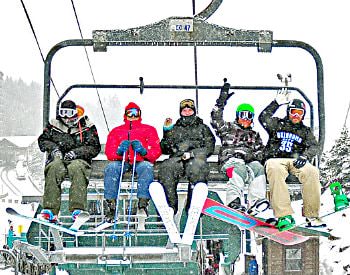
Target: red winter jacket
column 133, row 130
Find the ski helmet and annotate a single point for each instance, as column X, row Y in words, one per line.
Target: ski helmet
column 244, row 107
column 296, row 104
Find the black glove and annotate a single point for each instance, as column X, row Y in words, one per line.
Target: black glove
column 184, row 146
column 138, row 148
column 224, row 95
column 56, row 153
column 70, row 155
column 300, row 162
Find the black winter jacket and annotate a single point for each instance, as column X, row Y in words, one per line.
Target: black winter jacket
column 287, row 140
column 189, row 134
column 236, row 141
column 84, row 142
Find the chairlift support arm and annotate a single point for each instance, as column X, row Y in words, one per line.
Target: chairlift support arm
column 186, row 31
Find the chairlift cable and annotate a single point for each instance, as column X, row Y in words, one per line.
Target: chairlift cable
column 37, row 41
column 90, row 66
column 346, row 116
column 195, row 59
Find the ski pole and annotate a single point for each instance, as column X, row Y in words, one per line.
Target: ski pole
column 128, row 234
column 114, row 236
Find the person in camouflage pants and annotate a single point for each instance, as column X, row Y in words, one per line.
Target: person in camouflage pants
column 70, row 141
column 240, row 155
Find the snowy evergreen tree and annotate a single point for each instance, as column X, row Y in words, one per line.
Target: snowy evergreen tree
column 336, row 162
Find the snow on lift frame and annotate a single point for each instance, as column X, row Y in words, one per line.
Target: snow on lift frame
column 189, row 31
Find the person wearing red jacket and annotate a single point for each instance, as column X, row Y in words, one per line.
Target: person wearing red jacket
column 132, row 137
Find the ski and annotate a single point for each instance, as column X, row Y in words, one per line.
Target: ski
column 69, row 231
column 200, row 192
column 221, row 212
column 102, row 226
column 158, row 196
column 82, row 218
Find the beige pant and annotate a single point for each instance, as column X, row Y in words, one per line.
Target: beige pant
column 277, row 171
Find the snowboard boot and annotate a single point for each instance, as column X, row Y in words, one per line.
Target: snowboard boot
column 142, row 207
column 315, row 222
column 340, row 199
column 48, row 215
column 258, row 206
column 285, row 223
column 109, row 207
column 236, row 204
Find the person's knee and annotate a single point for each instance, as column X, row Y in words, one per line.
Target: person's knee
column 111, row 168
column 273, row 165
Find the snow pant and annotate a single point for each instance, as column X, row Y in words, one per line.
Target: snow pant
column 78, row 171
column 241, row 173
column 144, row 171
column 277, row 170
column 171, row 170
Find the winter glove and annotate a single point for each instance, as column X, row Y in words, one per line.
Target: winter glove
column 56, row 153
column 123, row 147
column 187, row 155
column 282, row 97
column 168, row 124
column 138, row 148
column 224, row 95
column 300, row 162
column 70, row 155
column 184, row 146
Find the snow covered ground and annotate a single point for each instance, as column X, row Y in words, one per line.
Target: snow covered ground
column 334, row 252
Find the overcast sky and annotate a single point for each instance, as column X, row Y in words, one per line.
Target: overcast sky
column 322, row 24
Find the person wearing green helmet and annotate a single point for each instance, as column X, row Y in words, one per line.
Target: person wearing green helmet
column 240, row 155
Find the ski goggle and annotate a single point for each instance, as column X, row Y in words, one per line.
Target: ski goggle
column 133, row 112
column 66, row 112
column 296, row 112
column 187, row 103
column 245, row 115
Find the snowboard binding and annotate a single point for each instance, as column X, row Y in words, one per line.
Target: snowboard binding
column 340, row 199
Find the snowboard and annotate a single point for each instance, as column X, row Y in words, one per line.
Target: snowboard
column 221, row 212
column 158, row 196
column 73, row 230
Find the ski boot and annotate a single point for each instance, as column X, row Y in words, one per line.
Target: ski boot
column 258, row 206
column 109, row 207
column 48, row 215
column 142, row 207
column 236, row 205
column 285, row 223
column 340, row 199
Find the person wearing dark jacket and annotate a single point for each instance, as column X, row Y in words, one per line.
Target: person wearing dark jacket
column 290, row 148
column 188, row 143
column 131, row 139
column 240, row 155
column 71, row 142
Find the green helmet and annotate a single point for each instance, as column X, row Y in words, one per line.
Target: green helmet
column 245, row 107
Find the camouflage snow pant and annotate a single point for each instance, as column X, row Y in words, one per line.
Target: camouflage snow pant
column 172, row 169
column 78, row 171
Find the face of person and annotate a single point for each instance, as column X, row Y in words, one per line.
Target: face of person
column 296, row 115
column 245, row 123
column 132, row 114
column 187, row 112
